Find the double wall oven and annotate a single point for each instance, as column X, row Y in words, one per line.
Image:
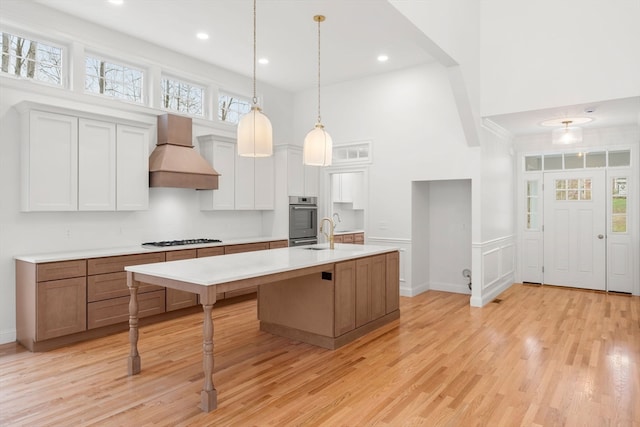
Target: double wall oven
column 303, row 221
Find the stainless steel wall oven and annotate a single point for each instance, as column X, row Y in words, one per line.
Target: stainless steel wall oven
column 303, row 221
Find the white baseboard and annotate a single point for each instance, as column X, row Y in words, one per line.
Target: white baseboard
column 450, row 287
column 490, row 294
column 412, row 291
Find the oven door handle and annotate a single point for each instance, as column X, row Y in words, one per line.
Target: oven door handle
column 307, row 208
column 296, row 241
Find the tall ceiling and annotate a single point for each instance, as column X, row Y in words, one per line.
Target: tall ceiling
column 354, row 34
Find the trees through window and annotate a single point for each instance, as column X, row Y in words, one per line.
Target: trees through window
column 31, row 59
column 182, row 97
column 114, row 80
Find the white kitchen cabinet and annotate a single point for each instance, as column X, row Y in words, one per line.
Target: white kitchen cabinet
column 96, row 165
column 221, row 155
column 132, row 168
column 72, row 163
column 348, row 187
column 49, row 162
column 302, row 179
column 264, row 170
column 245, row 183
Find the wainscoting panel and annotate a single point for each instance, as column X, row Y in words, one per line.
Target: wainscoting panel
column 498, row 268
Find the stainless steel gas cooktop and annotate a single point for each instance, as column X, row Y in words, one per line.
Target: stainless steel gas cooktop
column 181, row 242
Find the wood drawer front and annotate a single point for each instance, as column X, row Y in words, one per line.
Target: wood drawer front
column 118, row 263
column 358, row 238
column 113, row 285
column 247, row 247
column 116, row 310
column 279, row 244
column 61, row 308
column 182, row 254
column 217, row 250
column 61, row 270
column 338, row 239
column 347, row 238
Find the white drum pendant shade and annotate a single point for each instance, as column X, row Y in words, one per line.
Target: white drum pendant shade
column 318, row 147
column 255, row 134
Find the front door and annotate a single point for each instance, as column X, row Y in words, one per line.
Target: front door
column 575, row 229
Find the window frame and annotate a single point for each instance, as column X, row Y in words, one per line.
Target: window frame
column 124, row 63
column 65, row 55
column 164, row 75
column 248, row 99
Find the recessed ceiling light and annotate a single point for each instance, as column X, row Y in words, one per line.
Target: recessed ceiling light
column 263, row 61
column 383, row 58
column 116, row 2
column 202, row 36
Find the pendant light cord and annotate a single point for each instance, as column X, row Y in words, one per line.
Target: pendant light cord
column 319, row 19
column 255, row 98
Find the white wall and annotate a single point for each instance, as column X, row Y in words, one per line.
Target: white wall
column 449, row 222
column 552, row 53
column 411, row 118
column 172, row 214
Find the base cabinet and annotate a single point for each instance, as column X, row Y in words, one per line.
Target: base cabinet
column 331, row 310
column 61, row 308
column 176, row 300
column 61, row 302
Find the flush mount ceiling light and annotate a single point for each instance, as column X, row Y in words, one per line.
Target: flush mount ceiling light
column 567, row 132
column 318, row 146
column 566, row 135
column 255, row 135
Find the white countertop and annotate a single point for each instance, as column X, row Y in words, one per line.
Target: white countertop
column 336, row 232
column 129, row 250
column 222, row 269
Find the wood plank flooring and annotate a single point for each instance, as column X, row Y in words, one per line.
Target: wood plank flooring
column 541, row 356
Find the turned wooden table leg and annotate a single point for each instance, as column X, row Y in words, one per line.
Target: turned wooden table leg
column 209, row 395
column 134, row 357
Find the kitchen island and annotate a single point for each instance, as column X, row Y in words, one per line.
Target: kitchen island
column 325, row 297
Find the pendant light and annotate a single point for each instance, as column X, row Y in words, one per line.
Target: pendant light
column 566, row 135
column 255, row 136
column 317, row 149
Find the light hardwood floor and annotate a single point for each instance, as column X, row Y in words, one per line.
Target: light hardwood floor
column 541, row 356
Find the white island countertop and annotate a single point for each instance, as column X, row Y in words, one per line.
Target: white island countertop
column 223, row 269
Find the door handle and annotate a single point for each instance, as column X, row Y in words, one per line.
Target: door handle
column 600, row 236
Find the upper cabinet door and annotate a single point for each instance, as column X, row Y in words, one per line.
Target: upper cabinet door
column 50, row 162
column 245, row 183
column 96, row 165
column 132, row 173
column 222, row 156
column 264, row 183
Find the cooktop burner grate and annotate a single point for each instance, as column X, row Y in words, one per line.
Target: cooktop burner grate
column 181, row 242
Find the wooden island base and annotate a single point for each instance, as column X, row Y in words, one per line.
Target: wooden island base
column 323, row 303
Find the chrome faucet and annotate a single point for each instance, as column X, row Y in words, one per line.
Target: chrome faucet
column 336, row 214
column 329, row 236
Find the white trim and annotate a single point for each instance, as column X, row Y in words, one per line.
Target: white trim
column 496, row 129
column 388, row 240
column 455, row 288
column 493, row 241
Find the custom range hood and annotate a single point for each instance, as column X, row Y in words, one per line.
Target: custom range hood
column 174, row 162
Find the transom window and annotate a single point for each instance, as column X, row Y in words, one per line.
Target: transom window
column 580, row 160
column 31, row 59
column 111, row 79
column 183, row 97
column 354, row 152
column 573, row 189
column 231, row 107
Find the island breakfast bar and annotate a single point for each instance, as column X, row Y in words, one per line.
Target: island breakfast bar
column 321, row 296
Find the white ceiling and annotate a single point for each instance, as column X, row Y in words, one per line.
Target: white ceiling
column 353, row 35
